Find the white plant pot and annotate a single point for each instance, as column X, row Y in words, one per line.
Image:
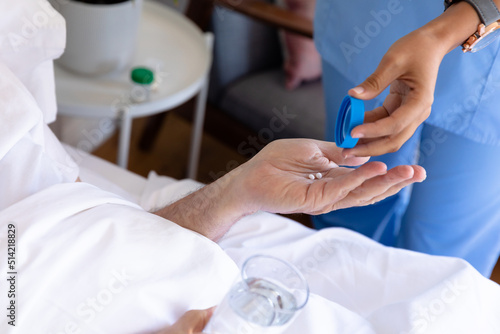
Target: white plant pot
column 100, row 38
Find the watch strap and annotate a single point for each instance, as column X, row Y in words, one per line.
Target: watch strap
column 486, row 9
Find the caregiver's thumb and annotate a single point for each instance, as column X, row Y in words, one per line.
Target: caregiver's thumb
column 376, row 83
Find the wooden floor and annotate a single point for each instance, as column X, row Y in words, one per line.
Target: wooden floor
column 496, row 273
column 169, row 154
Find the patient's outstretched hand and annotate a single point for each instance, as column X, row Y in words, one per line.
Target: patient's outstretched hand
column 278, row 178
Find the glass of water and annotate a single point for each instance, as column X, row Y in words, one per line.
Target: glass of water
column 268, row 296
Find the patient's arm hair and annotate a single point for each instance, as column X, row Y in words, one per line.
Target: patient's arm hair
column 211, row 210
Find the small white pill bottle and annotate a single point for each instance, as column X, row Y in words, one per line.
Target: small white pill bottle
column 142, row 81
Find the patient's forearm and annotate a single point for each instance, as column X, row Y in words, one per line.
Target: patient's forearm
column 210, row 211
column 278, row 180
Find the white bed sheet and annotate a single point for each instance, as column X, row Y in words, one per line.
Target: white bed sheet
column 358, row 285
column 93, row 262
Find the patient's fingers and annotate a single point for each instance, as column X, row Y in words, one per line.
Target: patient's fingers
column 339, row 186
column 419, row 176
column 374, row 187
column 381, row 187
column 192, row 322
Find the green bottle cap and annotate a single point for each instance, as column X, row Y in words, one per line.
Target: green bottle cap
column 142, row 75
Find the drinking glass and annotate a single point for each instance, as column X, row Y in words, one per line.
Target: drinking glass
column 270, row 293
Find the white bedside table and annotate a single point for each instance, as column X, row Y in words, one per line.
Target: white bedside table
column 180, row 55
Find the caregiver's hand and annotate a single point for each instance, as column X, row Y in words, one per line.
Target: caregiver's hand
column 192, row 322
column 410, row 67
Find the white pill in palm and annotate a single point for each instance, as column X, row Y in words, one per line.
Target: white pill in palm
column 319, row 175
column 311, row 176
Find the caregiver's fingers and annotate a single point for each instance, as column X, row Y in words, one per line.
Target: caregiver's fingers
column 334, row 153
column 375, row 114
column 415, row 108
column 371, row 117
column 383, row 145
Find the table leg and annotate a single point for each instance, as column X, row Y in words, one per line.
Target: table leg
column 199, row 118
column 124, row 143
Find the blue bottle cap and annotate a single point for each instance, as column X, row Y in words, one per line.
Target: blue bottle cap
column 351, row 114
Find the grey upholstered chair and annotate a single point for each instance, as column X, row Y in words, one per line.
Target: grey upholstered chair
column 247, row 79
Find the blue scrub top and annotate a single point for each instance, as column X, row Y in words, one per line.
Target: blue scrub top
column 353, row 35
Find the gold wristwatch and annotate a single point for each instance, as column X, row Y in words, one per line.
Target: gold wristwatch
column 488, row 29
